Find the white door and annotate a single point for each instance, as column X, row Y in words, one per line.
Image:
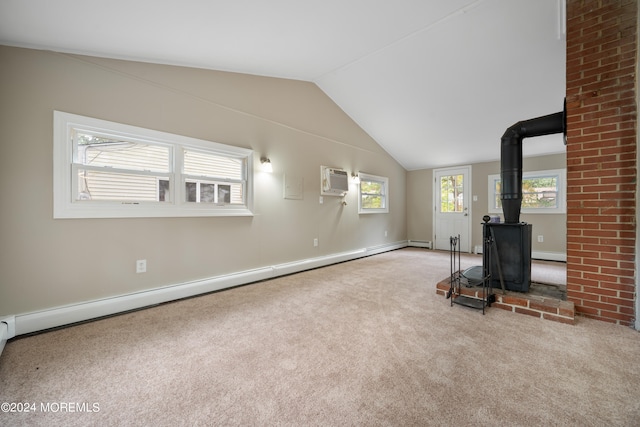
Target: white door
column 452, row 204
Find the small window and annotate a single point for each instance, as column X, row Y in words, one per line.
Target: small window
column 373, row 194
column 542, row 192
column 104, row 169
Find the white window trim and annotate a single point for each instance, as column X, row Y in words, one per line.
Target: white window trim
column 385, row 181
column 64, row 205
column 562, row 203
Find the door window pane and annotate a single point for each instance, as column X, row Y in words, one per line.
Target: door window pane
column 451, row 194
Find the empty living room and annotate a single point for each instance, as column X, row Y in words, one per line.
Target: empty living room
column 319, row 213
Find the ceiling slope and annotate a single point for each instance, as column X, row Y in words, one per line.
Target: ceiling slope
column 434, row 82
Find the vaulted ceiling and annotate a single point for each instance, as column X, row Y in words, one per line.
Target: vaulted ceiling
column 434, row 82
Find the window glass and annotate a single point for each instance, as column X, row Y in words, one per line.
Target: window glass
column 372, row 193
column 110, row 152
column 211, row 165
column 114, row 186
column 451, row 193
column 540, row 192
column 113, row 169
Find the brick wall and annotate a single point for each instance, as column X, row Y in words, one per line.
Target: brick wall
column 601, row 158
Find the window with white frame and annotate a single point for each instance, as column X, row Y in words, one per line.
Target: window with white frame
column 110, row 170
column 542, row 192
column 373, row 194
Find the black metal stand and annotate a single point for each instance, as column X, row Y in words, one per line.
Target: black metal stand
column 458, row 278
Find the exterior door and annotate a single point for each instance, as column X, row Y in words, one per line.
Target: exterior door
column 452, row 205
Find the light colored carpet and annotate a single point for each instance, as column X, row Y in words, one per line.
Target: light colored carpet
column 367, row 342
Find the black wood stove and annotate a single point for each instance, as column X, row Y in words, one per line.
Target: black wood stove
column 510, row 267
column 512, row 243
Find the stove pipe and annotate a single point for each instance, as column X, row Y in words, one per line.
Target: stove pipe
column 511, row 158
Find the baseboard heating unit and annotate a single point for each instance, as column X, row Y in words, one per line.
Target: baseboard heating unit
column 25, row 323
column 7, row 330
column 420, row 244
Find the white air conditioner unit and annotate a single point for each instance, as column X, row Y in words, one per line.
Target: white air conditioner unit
column 334, row 182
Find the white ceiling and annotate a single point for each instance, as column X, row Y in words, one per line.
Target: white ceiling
column 434, row 82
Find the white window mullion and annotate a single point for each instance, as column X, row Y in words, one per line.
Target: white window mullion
column 179, row 184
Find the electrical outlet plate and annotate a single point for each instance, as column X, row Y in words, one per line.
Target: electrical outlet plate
column 141, row 266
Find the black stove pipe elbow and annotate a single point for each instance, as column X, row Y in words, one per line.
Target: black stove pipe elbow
column 511, row 159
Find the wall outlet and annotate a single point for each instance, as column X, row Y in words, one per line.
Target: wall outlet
column 385, row 233
column 321, row 200
column 540, row 238
column 141, row 266
column 315, row 242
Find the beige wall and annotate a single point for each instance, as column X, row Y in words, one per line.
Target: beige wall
column 48, row 263
column 420, row 204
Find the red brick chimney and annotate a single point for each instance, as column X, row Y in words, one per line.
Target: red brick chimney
column 602, row 62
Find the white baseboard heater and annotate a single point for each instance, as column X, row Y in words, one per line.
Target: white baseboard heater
column 7, row 330
column 64, row 315
column 541, row 255
column 421, row 244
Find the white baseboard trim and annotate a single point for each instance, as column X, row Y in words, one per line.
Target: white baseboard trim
column 64, row 315
column 374, row 250
column 59, row 316
column 310, row 263
column 541, row 255
column 549, row 256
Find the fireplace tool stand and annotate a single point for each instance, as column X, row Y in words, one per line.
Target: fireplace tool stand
column 459, row 279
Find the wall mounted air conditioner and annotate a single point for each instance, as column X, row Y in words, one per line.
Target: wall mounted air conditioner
column 333, row 182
